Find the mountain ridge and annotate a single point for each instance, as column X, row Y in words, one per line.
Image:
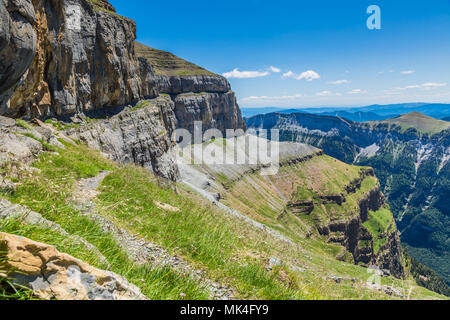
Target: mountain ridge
column 364, row 113
column 413, row 168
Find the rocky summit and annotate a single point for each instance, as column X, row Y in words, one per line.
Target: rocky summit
column 99, row 200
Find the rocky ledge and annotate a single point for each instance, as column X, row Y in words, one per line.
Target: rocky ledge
column 77, row 56
column 358, row 241
column 140, row 135
column 60, row 59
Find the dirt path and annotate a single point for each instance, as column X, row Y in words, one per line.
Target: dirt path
column 140, row 250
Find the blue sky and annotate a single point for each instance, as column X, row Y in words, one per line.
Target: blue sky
column 307, row 53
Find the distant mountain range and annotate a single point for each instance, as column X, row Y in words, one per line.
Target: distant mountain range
column 367, row 113
column 411, row 157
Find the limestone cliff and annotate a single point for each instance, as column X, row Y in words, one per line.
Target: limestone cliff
column 17, row 45
column 84, row 59
column 140, row 135
column 79, row 57
column 198, row 94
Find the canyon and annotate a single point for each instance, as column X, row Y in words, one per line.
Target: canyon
column 93, row 184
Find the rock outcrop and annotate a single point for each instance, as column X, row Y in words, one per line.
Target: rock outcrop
column 85, row 62
column 55, row 275
column 85, row 59
column 214, row 110
column 17, row 45
column 140, row 135
column 352, row 234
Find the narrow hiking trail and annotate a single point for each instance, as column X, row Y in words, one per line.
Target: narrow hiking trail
column 140, row 250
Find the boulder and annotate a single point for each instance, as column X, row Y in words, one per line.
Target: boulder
column 55, row 275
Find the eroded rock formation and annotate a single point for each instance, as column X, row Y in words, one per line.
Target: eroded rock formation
column 352, row 234
column 17, row 45
column 85, row 59
column 140, row 135
column 64, row 58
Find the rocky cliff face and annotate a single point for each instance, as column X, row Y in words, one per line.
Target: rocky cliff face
column 17, row 46
column 198, row 95
column 83, row 59
column 140, row 135
column 358, row 240
column 65, row 58
column 352, row 234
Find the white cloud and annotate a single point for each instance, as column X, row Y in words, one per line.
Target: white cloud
column 338, row 82
column 408, row 72
column 289, row 74
column 357, row 91
column 236, row 74
column 271, row 98
column 389, row 71
column 275, row 69
column 309, row 75
column 424, row 86
column 327, row 94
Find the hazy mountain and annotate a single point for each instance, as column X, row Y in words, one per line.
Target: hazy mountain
column 359, row 116
column 366, row 113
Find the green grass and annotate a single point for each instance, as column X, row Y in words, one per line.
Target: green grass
column 166, row 63
column 377, row 225
column 224, row 180
column 201, row 234
column 228, row 250
column 10, row 291
column 48, row 193
column 23, row 124
column 418, row 121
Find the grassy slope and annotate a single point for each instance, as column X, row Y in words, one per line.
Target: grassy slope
column 418, row 121
column 227, row 249
column 259, row 197
column 379, row 222
column 49, row 193
column 166, row 63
